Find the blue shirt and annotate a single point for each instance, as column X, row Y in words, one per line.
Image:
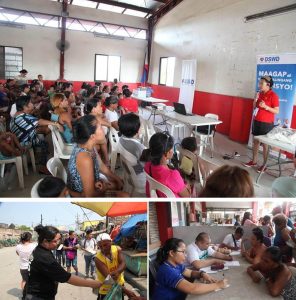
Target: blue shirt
column 167, row 279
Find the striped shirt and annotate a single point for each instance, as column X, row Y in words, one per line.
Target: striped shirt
column 24, row 127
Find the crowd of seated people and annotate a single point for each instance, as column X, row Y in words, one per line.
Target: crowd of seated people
column 178, row 265
column 30, row 108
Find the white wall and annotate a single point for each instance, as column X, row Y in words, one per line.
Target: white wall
column 214, row 33
column 40, row 54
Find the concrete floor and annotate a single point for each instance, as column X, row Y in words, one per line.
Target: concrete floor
column 223, row 145
column 10, row 279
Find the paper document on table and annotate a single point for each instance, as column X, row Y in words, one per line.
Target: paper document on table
column 235, row 253
column 234, row 263
column 208, row 270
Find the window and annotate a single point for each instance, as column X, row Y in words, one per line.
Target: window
column 166, row 70
column 11, row 61
column 107, row 67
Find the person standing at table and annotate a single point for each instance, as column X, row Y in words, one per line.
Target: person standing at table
column 200, row 254
column 174, row 280
column 266, row 105
column 278, row 277
column 45, row 272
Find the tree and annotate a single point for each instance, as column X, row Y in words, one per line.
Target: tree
column 11, row 226
column 24, row 228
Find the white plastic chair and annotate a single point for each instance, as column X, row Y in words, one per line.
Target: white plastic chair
column 130, row 177
column 155, row 186
column 206, row 139
column 62, row 150
column 34, row 193
column 25, row 161
column 205, row 168
column 19, row 168
column 193, row 157
column 148, row 129
column 56, row 168
column 284, row 187
column 114, row 140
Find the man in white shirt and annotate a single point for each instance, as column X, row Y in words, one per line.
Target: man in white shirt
column 198, row 253
column 89, row 246
column 111, row 115
column 233, row 240
column 21, row 78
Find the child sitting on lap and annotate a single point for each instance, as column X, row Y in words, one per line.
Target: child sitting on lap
column 9, row 145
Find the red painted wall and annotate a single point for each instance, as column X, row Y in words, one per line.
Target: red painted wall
column 164, row 221
column 77, row 84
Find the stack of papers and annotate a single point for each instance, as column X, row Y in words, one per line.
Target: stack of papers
column 234, row 263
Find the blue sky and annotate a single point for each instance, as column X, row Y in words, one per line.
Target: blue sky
column 53, row 213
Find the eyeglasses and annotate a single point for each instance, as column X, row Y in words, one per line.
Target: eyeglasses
column 167, row 140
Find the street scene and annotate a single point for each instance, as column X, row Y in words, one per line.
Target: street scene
column 85, row 234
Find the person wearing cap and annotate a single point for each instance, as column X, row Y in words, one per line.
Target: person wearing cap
column 266, row 106
column 109, row 263
column 21, row 79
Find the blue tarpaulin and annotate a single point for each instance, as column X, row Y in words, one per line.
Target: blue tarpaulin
column 129, row 227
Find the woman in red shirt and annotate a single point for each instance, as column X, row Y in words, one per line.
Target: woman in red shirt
column 266, row 105
column 127, row 103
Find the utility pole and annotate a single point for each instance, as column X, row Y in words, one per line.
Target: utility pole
column 77, row 222
column 41, row 220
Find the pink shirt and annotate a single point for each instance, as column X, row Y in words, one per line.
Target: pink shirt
column 249, row 223
column 170, row 178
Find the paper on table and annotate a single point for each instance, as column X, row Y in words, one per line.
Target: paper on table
column 234, row 263
column 235, row 253
column 208, row 270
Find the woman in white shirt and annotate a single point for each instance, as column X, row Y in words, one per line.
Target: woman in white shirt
column 111, row 115
column 24, row 251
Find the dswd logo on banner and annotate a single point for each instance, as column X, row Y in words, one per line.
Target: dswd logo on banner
column 282, row 68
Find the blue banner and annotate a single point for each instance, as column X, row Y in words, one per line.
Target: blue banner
column 282, row 68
